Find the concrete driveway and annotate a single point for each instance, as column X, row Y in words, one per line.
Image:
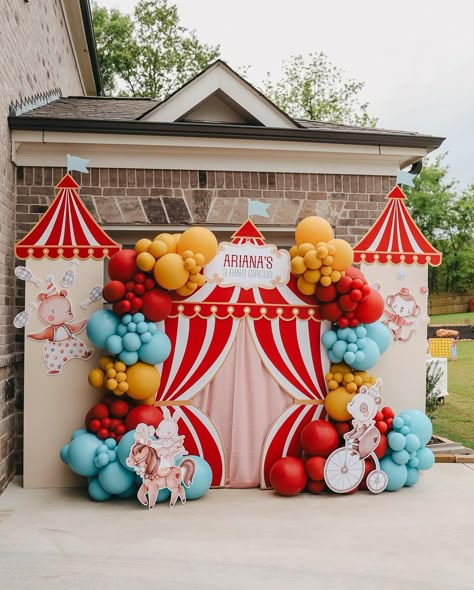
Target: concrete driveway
column 417, row 538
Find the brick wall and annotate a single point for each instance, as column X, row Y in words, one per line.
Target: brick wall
column 35, row 57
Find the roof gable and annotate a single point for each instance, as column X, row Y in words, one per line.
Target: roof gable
column 219, row 86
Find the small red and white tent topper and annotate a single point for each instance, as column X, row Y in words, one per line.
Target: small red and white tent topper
column 67, row 230
column 395, row 238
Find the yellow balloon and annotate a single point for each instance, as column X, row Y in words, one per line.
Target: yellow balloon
column 104, row 361
column 111, row 384
column 145, row 261
column 312, row 276
column 143, row 381
column 304, row 248
column 343, row 257
column 312, row 260
column 121, row 377
column 200, row 260
column 96, row 378
column 142, row 245
column 122, row 387
column 326, row 270
column 120, row 367
column 169, row 240
column 199, row 240
column 336, row 404
column 351, row 387
column 200, row 280
column 149, row 401
column 325, row 281
column 158, row 248
column 293, row 251
column 169, row 272
column 322, row 251
column 335, row 276
column 313, row 230
column 298, row 267
column 305, row 287
column 189, row 263
column 333, row 384
column 184, row 291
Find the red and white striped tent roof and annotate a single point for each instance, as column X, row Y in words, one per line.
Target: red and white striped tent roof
column 395, row 237
column 67, row 230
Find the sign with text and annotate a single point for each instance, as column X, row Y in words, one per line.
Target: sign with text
column 249, row 265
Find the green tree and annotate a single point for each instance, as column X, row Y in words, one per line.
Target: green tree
column 149, row 53
column 313, row 88
column 446, row 218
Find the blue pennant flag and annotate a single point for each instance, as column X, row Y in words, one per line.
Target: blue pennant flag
column 405, row 178
column 75, row 163
column 258, row 208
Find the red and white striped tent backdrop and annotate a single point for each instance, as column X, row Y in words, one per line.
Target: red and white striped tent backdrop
column 67, row 230
column 286, row 331
column 396, row 238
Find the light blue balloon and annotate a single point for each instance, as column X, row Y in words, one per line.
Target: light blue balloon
column 380, row 334
column 343, row 333
column 103, row 448
column 78, row 432
column 164, row 494
column 413, row 476
column 397, row 474
column 63, row 453
column 138, row 317
column 124, row 446
column 414, row 462
column 110, row 443
column 398, row 423
column 396, row 441
column 122, row 330
column 114, row 344
column 334, row 358
column 115, row 479
column 202, row 479
column 146, row 337
column 96, row 491
column 329, row 338
column 81, row 453
column 405, row 430
column 351, row 336
column 152, row 328
column 352, row 347
column 132, row 327
column 426, row 458
column 101, row 460
column 102, row 324
column 142, row 327
column 128, row 357
column 349, row 357
column 339, row 348
column 371, row 356
column 361, row 343
column 157, row 350
column 360, row 331
column 401, row 457
column 419, row 424
column 131, row 342
column 112, row 455
column 359, row 357
column 132, row 490
column 126, row 319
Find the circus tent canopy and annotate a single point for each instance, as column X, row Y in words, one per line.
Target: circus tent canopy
column 395, row 237
column 67, row 230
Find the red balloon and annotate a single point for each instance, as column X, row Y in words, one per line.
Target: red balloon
column 331, row 311
column 382, row 447
column 113, row 291
column 149, row 284
column 122, row 265
column 343, row 322
column 156, row 305
column 315, row 468
column 147, row 414
column 368, row 467
column 139, row 289
column 326, row 294
column 140, row 277
column 316, row 487
column 94, row 425
column 371, row 309
column 103, row 433
column 288, row 476
column 342, row 428
column 129, row 296
column 387, row 412
column 119, row 408
column 344, row 285
column 120, row 308
column 381, row 426
column 346, row 303
column 354, row 273
column 319, row 438
column 99, row 411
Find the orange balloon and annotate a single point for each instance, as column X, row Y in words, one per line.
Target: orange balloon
column 343, row 257
column 143, row 380
column 313, row 230
column 169, row 240
column 170, row 272
column 199, row 240
column 336, row 404
column 305, row 287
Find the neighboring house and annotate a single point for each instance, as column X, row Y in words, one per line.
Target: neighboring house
column 46, row 51
column 197, row 157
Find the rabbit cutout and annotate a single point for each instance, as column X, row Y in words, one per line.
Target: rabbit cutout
column 169, row 443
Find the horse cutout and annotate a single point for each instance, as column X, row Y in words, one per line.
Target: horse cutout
column 153, row 459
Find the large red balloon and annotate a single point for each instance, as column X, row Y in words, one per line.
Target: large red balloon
column 149, row 415
column 156, row 305
column 371, row 309
column 381, row 447
column 331, row 311
column 354, row 273
column 319, row 438
column 122, row 266
column 288, row 476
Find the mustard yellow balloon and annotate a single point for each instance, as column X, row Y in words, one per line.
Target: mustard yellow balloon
column 142, row 245
column 298, row 267
column 336, row 404
column 96, row 378
column 149, row 401
column 158, row 248
column 325, row 281
column 312, row 260
column 184, row 291
column 312, row 276
column 104, row 361
column 293, row 251
column 343, row 257
column 305, row 287
column 143, row 381
column 170, row 272
column 304, row 248
column 145, row 261
column 313, row 229
column 169, row 240
column 199, row 240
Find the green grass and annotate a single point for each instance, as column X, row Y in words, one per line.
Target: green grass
column 451, row 319
column 455, row 418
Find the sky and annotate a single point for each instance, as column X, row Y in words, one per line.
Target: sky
column 416, row 57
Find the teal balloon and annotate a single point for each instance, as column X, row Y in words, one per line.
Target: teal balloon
column 351, row 337
column 414, row 462
column 343, row 333
column 349, row 357
column 131, row 327
column 412, row 443
column 371, row 356
column 101, row 325
column 138, row 318
column 78, row 432
column 97, row 492
column 164, row 494
column 126, row 319
column 132, row 490
column 123, row 448
column 419, row 424
column 114, row 344
column 115, row 479
column 121, row 330
column 152, row 328
column 426, row 458
column 380, row 334
column 351, row 347
column 157, row 350
column 339, row 348
column 81, row 453
column 401, row 457
column 329, row 338
column 413, row 475
column 142, row 327
column 145, row 337
column 202, row 479
column 361, row 331
column 131, row 342
column 398, row 422
column 128, row 357
column 397, row 474
column 63, row 453
column 396, row 441
column 334, row 358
